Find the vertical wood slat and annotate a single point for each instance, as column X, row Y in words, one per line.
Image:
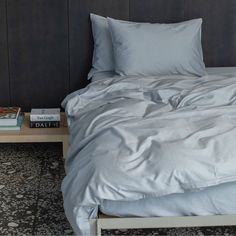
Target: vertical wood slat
column 38, row 52
column 41, row 39
column 4, row 74
column 219, row 29
column 81, row 44
column 161, row 11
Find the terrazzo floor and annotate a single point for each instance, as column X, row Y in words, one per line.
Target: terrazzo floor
column 31, row 200
column 30, row 196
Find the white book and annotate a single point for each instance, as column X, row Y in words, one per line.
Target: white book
column 48, row 114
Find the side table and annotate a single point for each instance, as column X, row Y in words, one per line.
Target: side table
column 38, row 135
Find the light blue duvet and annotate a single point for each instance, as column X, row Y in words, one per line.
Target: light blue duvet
column 139, row 137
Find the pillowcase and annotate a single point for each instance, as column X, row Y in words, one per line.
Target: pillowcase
column 157, row 49
column 103, row 59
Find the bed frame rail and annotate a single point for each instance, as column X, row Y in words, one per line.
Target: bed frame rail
column 109, row 222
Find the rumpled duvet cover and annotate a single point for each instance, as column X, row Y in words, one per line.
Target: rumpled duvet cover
column 138, row 137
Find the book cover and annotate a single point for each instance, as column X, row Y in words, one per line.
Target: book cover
column 16, row 127
column 52, row 114
column 44, row 124
column 9, row 115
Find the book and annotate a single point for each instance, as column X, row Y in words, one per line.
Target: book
column 16, row 127
column 9, row 115
column 44, row 124
column 52, row 114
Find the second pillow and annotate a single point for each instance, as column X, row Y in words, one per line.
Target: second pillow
column 157, row 49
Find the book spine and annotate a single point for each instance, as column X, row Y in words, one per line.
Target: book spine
column 45, row 117
column 44, row 124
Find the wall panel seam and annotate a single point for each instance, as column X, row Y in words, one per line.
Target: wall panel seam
column 68, row 45
column 129, row 9
column 8, row 55
column 185, row 9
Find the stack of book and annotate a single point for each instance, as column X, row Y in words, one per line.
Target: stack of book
column 45, row 118
column 11, row 118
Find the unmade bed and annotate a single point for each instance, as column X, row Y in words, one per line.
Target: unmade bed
column 119, row 124
column 153, row 133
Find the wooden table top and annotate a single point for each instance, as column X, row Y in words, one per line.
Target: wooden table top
column 27, row 131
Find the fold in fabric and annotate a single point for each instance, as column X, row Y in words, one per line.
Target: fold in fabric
column 140, row 137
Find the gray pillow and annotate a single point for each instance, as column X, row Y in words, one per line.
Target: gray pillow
column 157, row 49
column 103, row 59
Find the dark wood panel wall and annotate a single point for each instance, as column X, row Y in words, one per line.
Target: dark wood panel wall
column 38, row 52
column 4, row 73
column 46, row 46
column 219, row 29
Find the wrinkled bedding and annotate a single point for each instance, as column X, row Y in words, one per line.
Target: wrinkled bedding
column 139, row 137
column 215, row 200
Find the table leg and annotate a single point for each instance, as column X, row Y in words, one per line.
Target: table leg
column 65, row 147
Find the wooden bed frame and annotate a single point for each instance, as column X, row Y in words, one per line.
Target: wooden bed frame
column 217, row 16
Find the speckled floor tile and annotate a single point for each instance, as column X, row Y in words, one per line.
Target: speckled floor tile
column 191, row 231
column 30, row 197
column 31, row 200
column 50, row 218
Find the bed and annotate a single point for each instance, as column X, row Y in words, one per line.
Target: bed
column 153, row 145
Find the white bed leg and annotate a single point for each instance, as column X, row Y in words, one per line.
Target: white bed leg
column 94, row 227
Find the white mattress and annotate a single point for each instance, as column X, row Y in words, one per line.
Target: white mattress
column 211, row 201
column 221, row 70
column 210, row 71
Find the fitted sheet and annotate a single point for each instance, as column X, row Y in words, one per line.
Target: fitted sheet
column 214, row 200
